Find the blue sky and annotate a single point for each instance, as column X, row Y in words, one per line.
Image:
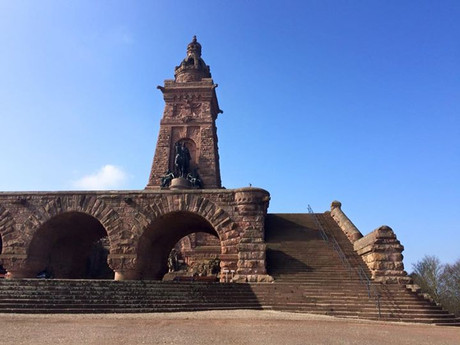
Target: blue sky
column 356, row 101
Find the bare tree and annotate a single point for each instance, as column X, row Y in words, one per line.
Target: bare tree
column 427, row 274
column 441, row 282
column 450, row 296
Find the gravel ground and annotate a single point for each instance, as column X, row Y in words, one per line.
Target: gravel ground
column 216, row 328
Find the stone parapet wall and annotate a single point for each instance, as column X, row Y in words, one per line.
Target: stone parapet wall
column 350, row 230
column 382, row 253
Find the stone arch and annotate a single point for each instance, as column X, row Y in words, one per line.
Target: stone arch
column 186, row 243
column 225, row 227
column 7, row 231
column 160, row 237
column 83, row 203
column 200, row 214
column 70, row 245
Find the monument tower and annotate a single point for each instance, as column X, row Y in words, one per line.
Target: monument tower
column 319, row 262
column 188, row 124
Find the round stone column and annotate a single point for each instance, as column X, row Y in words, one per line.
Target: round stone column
column 252, row 204
column 124, row 266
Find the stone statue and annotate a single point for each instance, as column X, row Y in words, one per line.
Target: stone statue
column 166, row 179
column 214, row 266
column 182, row 159
column 194, row 179
column 172, row 261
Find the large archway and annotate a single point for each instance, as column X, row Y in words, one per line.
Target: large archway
column 71, row 245
column 160, row 237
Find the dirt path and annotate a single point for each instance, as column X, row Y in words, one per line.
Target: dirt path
column 216, row 328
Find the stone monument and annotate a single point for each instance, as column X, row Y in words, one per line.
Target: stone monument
column 55, row 231
column 187, row 142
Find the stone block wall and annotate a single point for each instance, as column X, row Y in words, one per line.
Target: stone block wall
column 382, row 252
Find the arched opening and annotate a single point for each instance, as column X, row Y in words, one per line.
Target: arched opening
column 197, row 254
column 72, row 245
column 164, row 234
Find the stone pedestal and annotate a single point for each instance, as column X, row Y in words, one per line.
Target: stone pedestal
column 126, row 275
column 179, row 183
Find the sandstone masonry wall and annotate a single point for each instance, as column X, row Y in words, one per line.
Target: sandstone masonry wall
column 382, row 252
column 380, row 249
column 237, row 216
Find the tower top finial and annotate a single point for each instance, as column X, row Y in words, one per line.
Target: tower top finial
column 194, row 48
column 192, row 68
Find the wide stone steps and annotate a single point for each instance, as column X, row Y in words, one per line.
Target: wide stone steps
column 310, row 276
column 73, row 296
column 88, row 310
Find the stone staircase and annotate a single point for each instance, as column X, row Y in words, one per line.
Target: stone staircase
column 107, row 296
column 310, row 277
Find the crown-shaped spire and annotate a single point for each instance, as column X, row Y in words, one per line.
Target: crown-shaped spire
column 193, row 67
column 194, row 48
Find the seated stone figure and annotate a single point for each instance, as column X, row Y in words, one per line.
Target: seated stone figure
column 166, row 179
column 194, row 179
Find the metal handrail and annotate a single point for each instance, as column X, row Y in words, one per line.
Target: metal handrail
column 363, row 277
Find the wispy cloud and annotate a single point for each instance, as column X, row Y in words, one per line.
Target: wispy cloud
column 108, row 177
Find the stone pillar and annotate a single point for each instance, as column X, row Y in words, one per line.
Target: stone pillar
column 124, row 266
column 229, row 252
column 350, row 230
column 252, row 204
column 382, row 252
column 20, row 266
